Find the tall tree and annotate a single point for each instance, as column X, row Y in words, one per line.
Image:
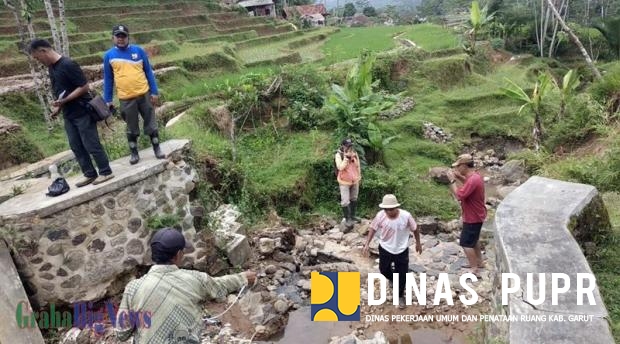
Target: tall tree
column 575, row 40
column 51, row 18
column 349, row 10
column 63, row 28
column 23, row 19
column 610, row 29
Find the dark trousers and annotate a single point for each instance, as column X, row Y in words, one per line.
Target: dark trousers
column 131, row 108
column 401, row 266
column 84, row 142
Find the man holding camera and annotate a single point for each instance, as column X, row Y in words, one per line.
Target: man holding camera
column 471, row 197
column 349, row 176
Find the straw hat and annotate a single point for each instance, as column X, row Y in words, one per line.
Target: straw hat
column 389, row 202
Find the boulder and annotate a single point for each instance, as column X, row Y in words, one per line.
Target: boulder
column 439, row 174
column 513, row 171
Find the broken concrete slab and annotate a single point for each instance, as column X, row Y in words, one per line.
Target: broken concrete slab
column 11, row 294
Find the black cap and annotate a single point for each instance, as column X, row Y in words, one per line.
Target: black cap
column 169, row 240
column 120, row 29
column 347, row 142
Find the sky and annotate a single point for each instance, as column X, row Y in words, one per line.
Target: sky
column 375, row 3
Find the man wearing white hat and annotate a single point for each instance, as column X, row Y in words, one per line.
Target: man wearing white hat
column 394, row 226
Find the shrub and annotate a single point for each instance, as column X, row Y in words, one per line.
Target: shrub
column 305, row 90
column 15, row 148
column 582, row 118
column 497, row 43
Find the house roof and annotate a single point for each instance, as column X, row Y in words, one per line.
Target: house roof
column 253, row 3
column 316, row 16
column 298, row 11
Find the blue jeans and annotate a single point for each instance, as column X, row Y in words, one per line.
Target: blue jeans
column 84, row 142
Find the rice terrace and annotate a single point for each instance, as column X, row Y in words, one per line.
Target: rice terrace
column 239, row 215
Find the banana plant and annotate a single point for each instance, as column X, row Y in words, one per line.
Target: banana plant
column 570, row 82
column 478, row 19
column 534, row 102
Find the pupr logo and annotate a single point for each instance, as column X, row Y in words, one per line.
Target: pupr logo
column 335, row 296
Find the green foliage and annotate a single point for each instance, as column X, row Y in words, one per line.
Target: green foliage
column 356, row 107
column 349, row 10
column 445, row 72
column 610, row 29
column 369, row 11
column 305, row 91
column 581, row 120
column 16, row 148
column 160, row 221
column 605, row 90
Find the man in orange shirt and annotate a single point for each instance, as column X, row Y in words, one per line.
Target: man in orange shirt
column 349, row 176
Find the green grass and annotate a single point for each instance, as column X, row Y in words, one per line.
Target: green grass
column 349, row 42
column 607, row 267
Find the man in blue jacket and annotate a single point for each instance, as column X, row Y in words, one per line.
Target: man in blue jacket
column 127, row 66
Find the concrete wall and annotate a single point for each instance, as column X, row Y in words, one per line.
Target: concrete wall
column 536, row 226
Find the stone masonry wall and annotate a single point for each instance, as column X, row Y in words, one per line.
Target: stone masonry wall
column 90, row 250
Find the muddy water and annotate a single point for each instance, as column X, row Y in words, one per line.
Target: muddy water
column 301, row 330
column 430, row 336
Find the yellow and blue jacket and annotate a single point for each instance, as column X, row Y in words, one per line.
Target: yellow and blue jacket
column 130, row 69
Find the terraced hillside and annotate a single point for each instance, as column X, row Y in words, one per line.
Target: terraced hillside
column 197, row 35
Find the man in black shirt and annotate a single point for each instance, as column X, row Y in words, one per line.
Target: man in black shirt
column 71, row 88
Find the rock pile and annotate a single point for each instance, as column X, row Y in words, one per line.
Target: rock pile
column 435, row 133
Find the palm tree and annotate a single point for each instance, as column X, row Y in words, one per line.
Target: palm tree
column 534, row 102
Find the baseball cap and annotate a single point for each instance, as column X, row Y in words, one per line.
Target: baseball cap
column 463, row 159
column 120, row 29
column 169, row 240
column 347, row 142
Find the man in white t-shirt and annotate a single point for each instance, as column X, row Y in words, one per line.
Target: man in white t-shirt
column 394, row 226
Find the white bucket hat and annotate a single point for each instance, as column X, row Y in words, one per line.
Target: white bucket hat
column 389, row 202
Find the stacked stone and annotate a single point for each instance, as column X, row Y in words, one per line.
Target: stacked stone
column 88, row 251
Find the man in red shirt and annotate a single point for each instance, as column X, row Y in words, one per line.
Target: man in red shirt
column 471, row 197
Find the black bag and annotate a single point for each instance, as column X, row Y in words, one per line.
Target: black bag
column 99, row 109
column 58, row 187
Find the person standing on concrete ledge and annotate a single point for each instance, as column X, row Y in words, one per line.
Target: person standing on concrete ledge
column 394, row 226
column 171, row 299
column 127, row 66
column 471, row 197
column 71, row 90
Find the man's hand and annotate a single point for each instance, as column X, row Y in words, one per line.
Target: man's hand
column 365, row 250
column 154, row 99
column 58, row 103
column 54, row 113
column 450, row 175
column 251, row 276
column 418, row 247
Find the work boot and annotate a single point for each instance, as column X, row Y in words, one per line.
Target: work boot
column 133, row 148
column 348, row 224
column 352, row 208
column 155, row 142
column 85, row 181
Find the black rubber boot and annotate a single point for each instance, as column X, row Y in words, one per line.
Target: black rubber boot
column 348, row 224
column 352, row 208
column 133, row 149
column 155, row 142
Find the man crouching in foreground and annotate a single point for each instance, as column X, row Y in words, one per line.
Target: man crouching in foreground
column 174, row 297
